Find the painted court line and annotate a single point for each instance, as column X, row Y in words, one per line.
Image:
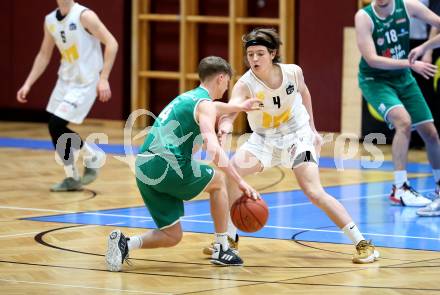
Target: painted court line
column 81, row 287
column 37, row 232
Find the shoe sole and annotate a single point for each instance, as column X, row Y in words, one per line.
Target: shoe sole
column 113, row 256
column 369, row 259
column 216, row 262
column 88, row 181
column 417, row 205
column 428, row 214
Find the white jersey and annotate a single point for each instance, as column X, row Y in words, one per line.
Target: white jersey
column 283, row 110
column 81, row 52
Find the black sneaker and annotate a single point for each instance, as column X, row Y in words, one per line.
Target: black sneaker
column 117, row 250
column 233, row 244
column 225, row 258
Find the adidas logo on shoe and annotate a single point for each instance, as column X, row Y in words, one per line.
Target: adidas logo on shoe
column 225, row 258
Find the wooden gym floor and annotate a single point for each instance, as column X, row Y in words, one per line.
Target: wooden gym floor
column 48, row 248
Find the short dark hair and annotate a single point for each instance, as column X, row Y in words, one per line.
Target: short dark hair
column 268, row 37
column 213, row 65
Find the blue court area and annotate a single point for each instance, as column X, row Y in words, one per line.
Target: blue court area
column 291, row 215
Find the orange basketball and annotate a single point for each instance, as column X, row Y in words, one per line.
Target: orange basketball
column 249, row 215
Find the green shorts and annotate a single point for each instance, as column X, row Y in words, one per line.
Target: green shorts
column 164, row 185
column 386, row 93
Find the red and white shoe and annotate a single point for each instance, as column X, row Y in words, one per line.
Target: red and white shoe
column 407, row 196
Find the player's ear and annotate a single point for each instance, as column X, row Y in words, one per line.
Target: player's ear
column 220, row 78
column 273, row 53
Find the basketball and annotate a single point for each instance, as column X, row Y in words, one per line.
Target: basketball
column 249, row 215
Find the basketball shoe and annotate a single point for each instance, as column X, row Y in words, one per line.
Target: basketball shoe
column 233, row 245
column 117, row 250
column 225, row 258
column 432, row 209
column 67, row 185
column 365, row 252
column 407, row 196
column 91, row 167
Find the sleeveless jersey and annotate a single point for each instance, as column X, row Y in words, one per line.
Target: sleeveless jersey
column 391, row 38
column 80, row 51
column 176, row 129
column 283, row 110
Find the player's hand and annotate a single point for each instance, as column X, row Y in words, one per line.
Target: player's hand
column 104, row 92
column 22, row 93
column 424, row 69
column 317, row 139
column 415, row 53
column 251, row 104
column 317, row 142
column 248, row 190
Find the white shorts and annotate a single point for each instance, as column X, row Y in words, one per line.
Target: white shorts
column 72, row 101
column 288, row 151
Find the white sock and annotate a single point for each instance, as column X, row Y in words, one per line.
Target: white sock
column 135, row 242
column 400, row 177
column 232, row 230
column 71, row 171
column 222, row 239
column 436, row 173
column 352, row 231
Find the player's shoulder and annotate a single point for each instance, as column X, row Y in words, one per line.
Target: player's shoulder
column 362, row 14
column 290, row 68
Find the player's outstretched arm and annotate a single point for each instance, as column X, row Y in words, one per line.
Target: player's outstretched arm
column 40, row 64
column 240, row 93
column 206, row 114
column 251, row 104
column 93, row 24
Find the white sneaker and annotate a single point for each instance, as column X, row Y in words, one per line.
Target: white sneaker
column 410, row 197
column 432, row 209
column 95, row 161
column 117, row 250
column 92, row 165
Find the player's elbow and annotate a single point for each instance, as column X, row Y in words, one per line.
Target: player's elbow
column 371, row 61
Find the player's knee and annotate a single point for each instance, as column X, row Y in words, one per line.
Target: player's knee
column 174, row 239
column 403, row 124
column 219, row 181
column 315, row 194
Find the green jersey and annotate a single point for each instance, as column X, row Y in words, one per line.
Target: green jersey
column 176, row 131
column 391, row 38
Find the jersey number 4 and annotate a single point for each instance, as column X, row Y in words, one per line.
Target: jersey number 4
column 270, row 121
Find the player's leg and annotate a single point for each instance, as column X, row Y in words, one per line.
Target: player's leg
column 384, row 96
column 422, row 119
column 67, row 144
column 93, row 157
column 307, row 175
column 429, row 135
column 222, row 254
column 246, row 163
column 415, row 113
column 165, row 209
